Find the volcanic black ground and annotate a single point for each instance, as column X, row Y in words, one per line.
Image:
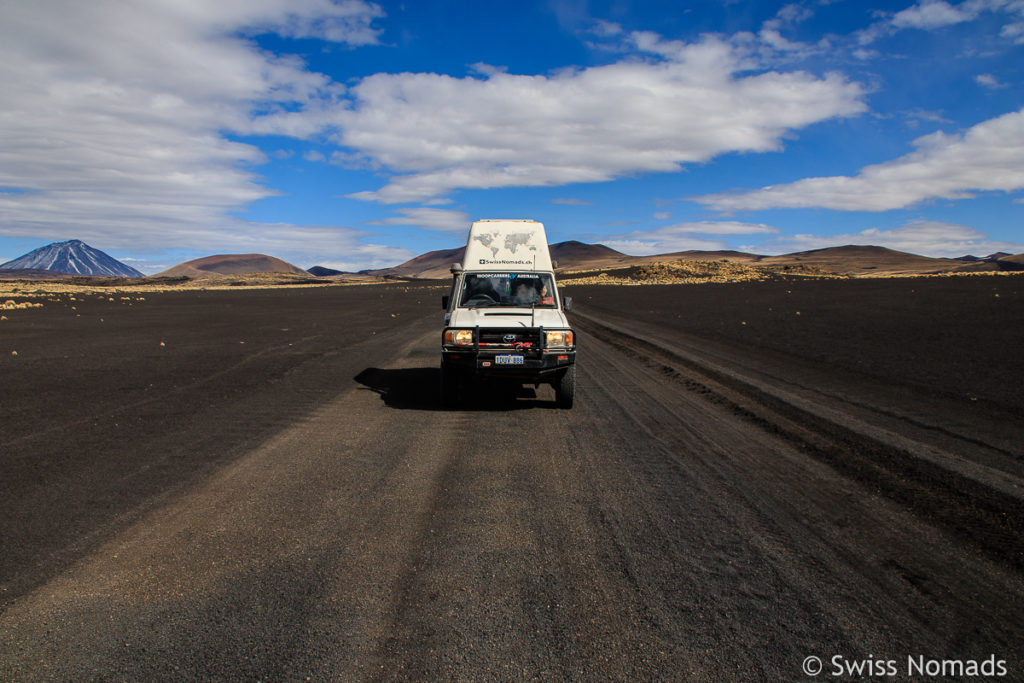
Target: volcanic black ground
column 261, row 485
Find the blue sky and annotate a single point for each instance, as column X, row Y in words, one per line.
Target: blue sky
column 356, row 134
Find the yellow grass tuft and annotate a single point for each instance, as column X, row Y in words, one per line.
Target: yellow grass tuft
column 11, row 305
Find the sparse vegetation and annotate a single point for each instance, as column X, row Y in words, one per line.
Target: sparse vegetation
column 11, row 305
column 687, row 272
column 724, row 270
column 110, row 287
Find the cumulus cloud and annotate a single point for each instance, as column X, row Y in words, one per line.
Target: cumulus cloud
column 987, row 157
column 932, row 14
column 774, row 45
column 684, row 236
column 445, row 220
column 1014, row 31
column 128, row 118
column 606, row 29
column 687, row 103
column 118, row 117
column 928, row 238
column 989, row 81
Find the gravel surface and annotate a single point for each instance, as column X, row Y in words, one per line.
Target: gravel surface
column 262, row 486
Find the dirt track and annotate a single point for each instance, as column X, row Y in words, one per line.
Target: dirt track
column 724, row 500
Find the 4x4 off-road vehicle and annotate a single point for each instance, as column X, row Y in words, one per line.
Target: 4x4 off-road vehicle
column 504, row 318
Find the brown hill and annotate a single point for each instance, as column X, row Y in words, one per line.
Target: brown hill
column 1014, row 262
column 231, row 264
column 866, row 260
column 573, row 254
column 433, row 264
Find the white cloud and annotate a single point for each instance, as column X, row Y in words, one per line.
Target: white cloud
column 930, row 14
column 987, row 157
column 914, row 117
column 772, row 39
column 864, row 55
column 794, row 14
column 606, row 29
column 337, row 21
column 989, row 81
column 689, row 103
column 445, row 220
column 116, row 115
column 928, row 238
column 569, row 201
column 1014, row 31
column 684, row 236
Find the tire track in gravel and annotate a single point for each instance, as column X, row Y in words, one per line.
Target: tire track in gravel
column 974, row 488
column 655, row 531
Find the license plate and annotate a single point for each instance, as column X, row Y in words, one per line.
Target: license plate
column 508, row 360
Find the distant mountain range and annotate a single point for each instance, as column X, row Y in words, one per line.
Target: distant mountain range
column 72, row 257
column 847, row 260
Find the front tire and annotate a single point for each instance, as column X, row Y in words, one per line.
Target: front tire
column 565, row 388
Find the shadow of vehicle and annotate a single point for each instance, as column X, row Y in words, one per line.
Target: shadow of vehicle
column 419, row 389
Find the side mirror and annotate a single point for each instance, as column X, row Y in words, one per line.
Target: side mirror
column 444, row 302
column 567, row 303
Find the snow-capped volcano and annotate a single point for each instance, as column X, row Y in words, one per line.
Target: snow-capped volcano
column 72, row 257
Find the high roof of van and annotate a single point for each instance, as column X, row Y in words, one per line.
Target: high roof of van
column 507, row 244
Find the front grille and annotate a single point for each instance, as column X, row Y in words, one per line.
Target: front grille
column 501, row 338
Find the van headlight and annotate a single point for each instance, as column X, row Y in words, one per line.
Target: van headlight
column 559, row 338
column 458, row 337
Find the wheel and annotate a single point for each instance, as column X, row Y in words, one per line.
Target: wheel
column 449, row 387
column 565, row 388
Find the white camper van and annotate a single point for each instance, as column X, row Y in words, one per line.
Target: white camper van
column 504, row 318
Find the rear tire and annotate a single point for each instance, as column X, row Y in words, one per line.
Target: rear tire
column 565, row 388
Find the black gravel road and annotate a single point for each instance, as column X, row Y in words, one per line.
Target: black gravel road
column 261, row 485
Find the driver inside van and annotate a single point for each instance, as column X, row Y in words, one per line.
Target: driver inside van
column 545, row 298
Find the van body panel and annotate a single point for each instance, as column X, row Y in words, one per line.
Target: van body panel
column 507, row 245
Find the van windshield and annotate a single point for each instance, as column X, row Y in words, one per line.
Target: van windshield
column 507, row 289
